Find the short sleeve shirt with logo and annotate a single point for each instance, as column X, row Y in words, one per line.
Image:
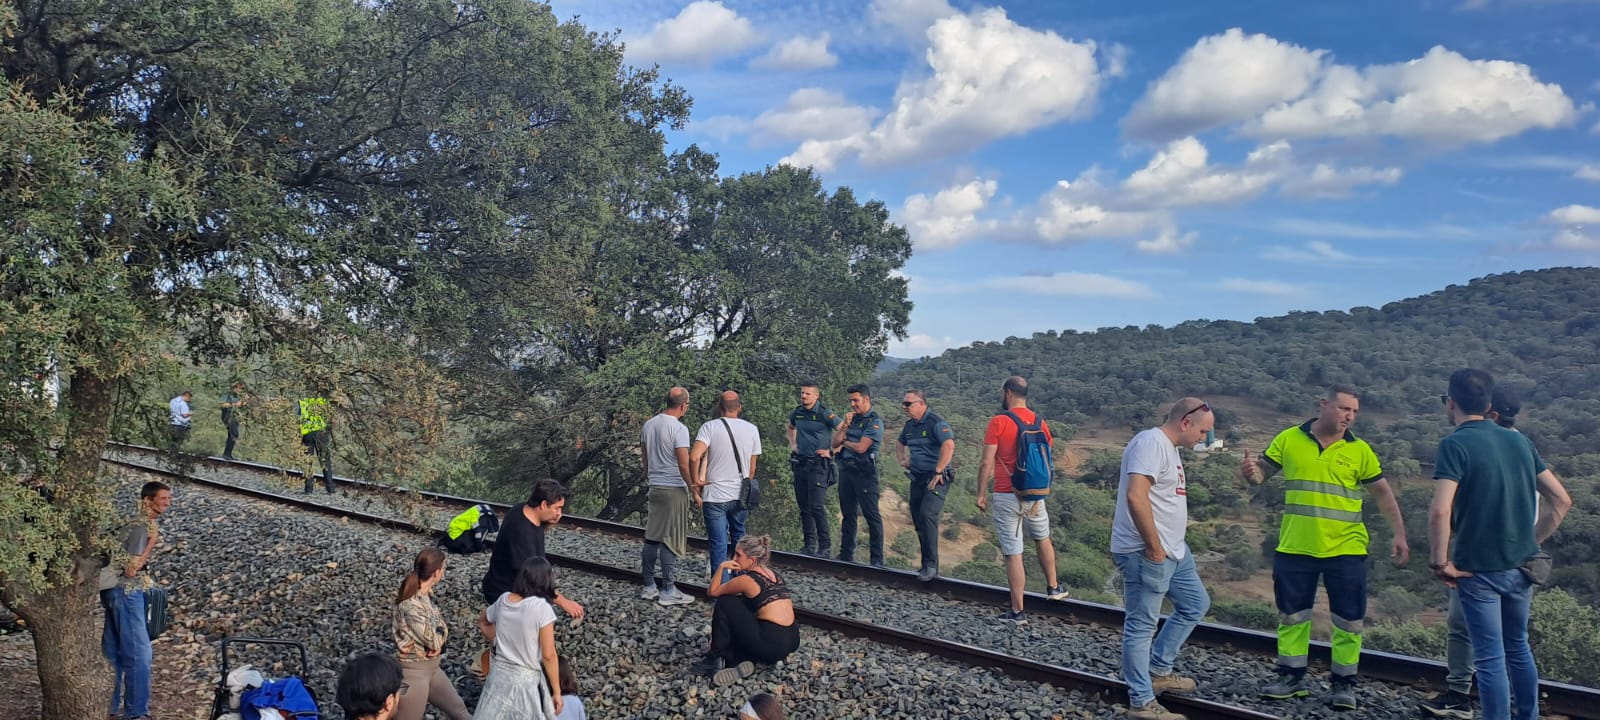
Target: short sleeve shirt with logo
column 1151, row 453
column 923, row 439
column 813, row 429
column 1002, row 433
column 1323, row 492
column 867, row 424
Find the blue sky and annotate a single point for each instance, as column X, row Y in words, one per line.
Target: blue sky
column 1079, row 165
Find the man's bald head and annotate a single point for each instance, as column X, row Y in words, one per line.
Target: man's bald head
column 730, row 403
column 1016, row 385
column 1182, row 407
column 677, row 397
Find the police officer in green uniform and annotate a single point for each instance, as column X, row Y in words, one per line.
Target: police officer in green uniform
column 926, row 446
column 317, row 438
column 856, row 443
column 811, row 426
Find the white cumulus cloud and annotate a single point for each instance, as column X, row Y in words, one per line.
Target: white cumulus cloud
column 950, row 216
column 1179, row 176
column 798, row 54
column 1588, row 172
column 1574, row 215
column 1167, row 242
column 814, row 113
column 1223, row 79
column 1441, row 96
column 702, row 33
column 990, row 78
column 1274, row 90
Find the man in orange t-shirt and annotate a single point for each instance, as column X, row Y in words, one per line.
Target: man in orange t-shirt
column 1011, row 516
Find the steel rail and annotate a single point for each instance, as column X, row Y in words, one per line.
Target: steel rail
column 1566, row 699
column 1106, row 688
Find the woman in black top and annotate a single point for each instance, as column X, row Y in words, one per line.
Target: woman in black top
column 754, row 616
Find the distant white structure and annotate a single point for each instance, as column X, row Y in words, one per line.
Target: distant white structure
column 1212, row 442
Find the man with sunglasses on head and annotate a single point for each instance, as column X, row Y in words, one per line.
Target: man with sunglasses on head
column 1322, row 537
column 1150, row 548
column 926, row 446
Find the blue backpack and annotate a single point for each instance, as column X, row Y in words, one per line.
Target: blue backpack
column 1030, row 480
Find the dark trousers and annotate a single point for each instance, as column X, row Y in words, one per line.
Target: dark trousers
column 737, row 636
column 812, row 477
column 320, row 444
column 858, row 493
column 233, row 436
column 926, row 507
column 180, row 433
column 1294, row 587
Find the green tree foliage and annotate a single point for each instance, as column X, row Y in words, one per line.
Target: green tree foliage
column 328, row 186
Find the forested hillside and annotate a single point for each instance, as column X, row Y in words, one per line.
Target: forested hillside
column 1538, row 332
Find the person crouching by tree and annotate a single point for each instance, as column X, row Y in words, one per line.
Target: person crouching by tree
column 419, row 635
column 753, row 620
column 524, row 680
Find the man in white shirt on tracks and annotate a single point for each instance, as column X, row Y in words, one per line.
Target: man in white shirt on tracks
column 718, row 480
column 664, row 445
column 1147, row 543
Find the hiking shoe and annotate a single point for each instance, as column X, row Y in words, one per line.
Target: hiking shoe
column 1058, row 592
column 1172, row 682
column 1448, row 704
column 708, row 665
column 1017, row 617
column 729, row 676
column 928, row 574
column 1285, row 687
column 673, row 596
column 1153, row 711
column 1343, row 696
column 649, row 593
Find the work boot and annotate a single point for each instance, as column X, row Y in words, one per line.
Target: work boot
column 1172, row 682
column 1152, row 711
column 1343, row 696
column 928, row 574
column 1285, row 687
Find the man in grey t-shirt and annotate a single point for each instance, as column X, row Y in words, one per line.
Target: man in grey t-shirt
column 1147, row 543
column 664, row 445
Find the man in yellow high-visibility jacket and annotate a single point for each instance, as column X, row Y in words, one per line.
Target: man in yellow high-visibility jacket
column 317, row 437
column 1322, row 536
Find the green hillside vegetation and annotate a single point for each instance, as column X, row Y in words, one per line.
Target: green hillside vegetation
column 1537, row 332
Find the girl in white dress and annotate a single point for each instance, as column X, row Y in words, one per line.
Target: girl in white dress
column 521, row 624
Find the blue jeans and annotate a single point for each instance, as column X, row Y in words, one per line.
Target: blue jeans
column 724, row 527
column 1495, row 608
column 126, row 645
column 1144, row 584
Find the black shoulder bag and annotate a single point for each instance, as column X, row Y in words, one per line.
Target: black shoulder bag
column 749, row 489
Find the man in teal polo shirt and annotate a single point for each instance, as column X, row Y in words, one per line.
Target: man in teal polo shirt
column 1487, row 480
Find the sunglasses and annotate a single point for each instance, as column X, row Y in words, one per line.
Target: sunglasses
column 1444, row 399
column 404, row 687
column 1202, row 407
column 907, row 403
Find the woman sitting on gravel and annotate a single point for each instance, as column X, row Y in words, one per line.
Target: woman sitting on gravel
column 420, row 633
column 754, row 618
column 523, row 683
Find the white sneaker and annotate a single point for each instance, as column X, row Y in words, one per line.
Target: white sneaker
column 649, row 593
column 674, row 596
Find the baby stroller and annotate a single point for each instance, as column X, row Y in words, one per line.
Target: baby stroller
column 287, row 697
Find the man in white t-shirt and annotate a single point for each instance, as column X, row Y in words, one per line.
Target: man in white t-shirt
column 179, row 418
column 717, row 479
column 1147, row 543
column 664, row 445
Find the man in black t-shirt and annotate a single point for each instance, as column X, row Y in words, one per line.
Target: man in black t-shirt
column 522, row 538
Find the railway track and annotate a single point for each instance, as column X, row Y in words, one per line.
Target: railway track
column 1565, row 699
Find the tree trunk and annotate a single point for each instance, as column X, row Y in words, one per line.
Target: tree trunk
column 74, row 678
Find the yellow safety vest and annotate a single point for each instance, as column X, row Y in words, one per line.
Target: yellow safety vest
column 313, row 415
